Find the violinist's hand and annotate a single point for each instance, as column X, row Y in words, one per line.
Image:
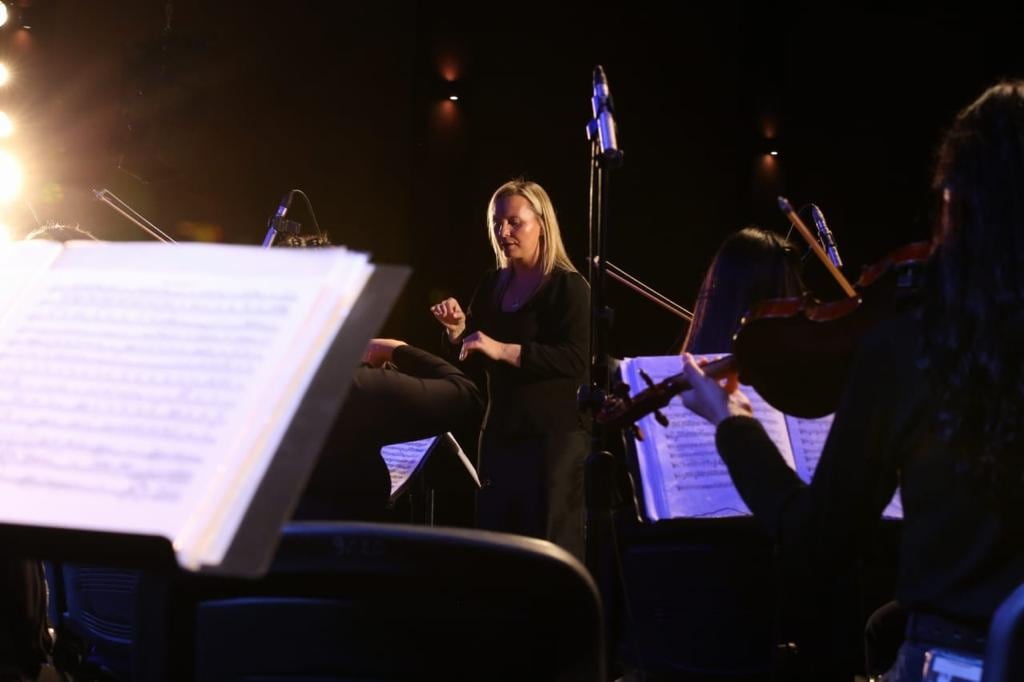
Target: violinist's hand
column 478, row 342
column 711, row 398
column 378, row 351
column 449, row 313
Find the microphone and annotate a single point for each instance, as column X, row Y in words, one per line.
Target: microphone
column 603, row 124
column 826, row 237
column 275, row 221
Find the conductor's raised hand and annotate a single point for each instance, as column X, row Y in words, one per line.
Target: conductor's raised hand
column 713, row 399
column 449, row 313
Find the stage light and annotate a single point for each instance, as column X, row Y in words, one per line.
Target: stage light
column 5, row 74
column 10, row 177
column 453, row 98
column 774, row 152
column 5, row 234
column 6, row 126
column 4, row 15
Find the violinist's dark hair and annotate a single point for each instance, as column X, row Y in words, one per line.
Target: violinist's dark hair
column 750, row 266
column 974, row 308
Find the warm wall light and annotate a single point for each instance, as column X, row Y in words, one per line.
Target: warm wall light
column 6, row 126
column 5, row 74
column 4, row 14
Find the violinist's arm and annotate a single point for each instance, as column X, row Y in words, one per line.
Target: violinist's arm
column 851, row 484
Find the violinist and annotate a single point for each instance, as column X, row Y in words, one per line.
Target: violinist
column 935, row 403
column 751, row 265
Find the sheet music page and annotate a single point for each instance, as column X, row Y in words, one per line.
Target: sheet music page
column 681, row 472
column 463, row 458
column 21, row 265
column 403, row 460
column 894, row 510
column 142, row 385
column 809, row 436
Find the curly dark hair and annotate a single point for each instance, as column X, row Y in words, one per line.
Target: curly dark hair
column 974, row 307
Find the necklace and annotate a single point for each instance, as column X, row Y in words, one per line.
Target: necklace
column 516, row 300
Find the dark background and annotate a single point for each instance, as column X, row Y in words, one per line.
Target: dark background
column 203, row 127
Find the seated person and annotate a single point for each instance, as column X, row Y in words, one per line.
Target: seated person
column 750, row 266
column 935, row 403
column 417, row 396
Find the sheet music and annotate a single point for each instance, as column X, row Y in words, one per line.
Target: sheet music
column 682, row 472
column 403, row 460
column 21, row 264
column 144, row 389
column 460, row 453
column 808, row 437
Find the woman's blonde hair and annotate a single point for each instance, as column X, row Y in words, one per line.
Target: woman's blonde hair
column 552, row 251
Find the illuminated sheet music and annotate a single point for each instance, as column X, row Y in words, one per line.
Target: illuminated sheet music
column 144, row 387
column 404, row 460
column 682, row 474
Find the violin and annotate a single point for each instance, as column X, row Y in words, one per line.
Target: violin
column 796, row 352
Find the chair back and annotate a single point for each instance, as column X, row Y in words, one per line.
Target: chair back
column 396, row 602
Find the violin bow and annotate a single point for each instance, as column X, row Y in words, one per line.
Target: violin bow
column 787, row 208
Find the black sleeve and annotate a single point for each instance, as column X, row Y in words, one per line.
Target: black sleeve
column 564, row 349
column 417, row 362
column 484, row 288
column 851, row 485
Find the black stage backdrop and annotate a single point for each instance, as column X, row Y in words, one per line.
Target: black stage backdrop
column 204, row 125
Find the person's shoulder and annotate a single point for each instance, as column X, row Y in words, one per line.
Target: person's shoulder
column 570, row 280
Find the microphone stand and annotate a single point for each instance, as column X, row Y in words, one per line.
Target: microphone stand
column 114, row 202
column 605, row 477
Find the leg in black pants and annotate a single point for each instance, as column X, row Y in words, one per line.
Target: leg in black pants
column 424, row 397
column 534, row 486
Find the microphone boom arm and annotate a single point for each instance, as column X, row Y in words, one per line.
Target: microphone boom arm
column 114, row 202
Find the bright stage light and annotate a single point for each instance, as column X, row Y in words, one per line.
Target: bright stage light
column 5, row 234
column 10, row 177
column 3, row 13
column 5, row 74
column 6, row 126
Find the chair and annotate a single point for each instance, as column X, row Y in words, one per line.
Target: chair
column 1004, row 652
column 100, row 609
column 392, row 602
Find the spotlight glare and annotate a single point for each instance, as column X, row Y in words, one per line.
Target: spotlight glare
column 3, row 14
column 6, row 126
column 10, row 177
column 5, row 74
column 5, row 234
column 454, row 98
column 773, row 153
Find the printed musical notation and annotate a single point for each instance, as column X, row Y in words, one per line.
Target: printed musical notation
column 120, row 389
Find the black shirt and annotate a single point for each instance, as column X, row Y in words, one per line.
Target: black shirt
column 960, row 557
column 552, row 327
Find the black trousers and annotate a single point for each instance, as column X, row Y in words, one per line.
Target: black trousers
column 534, row 486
